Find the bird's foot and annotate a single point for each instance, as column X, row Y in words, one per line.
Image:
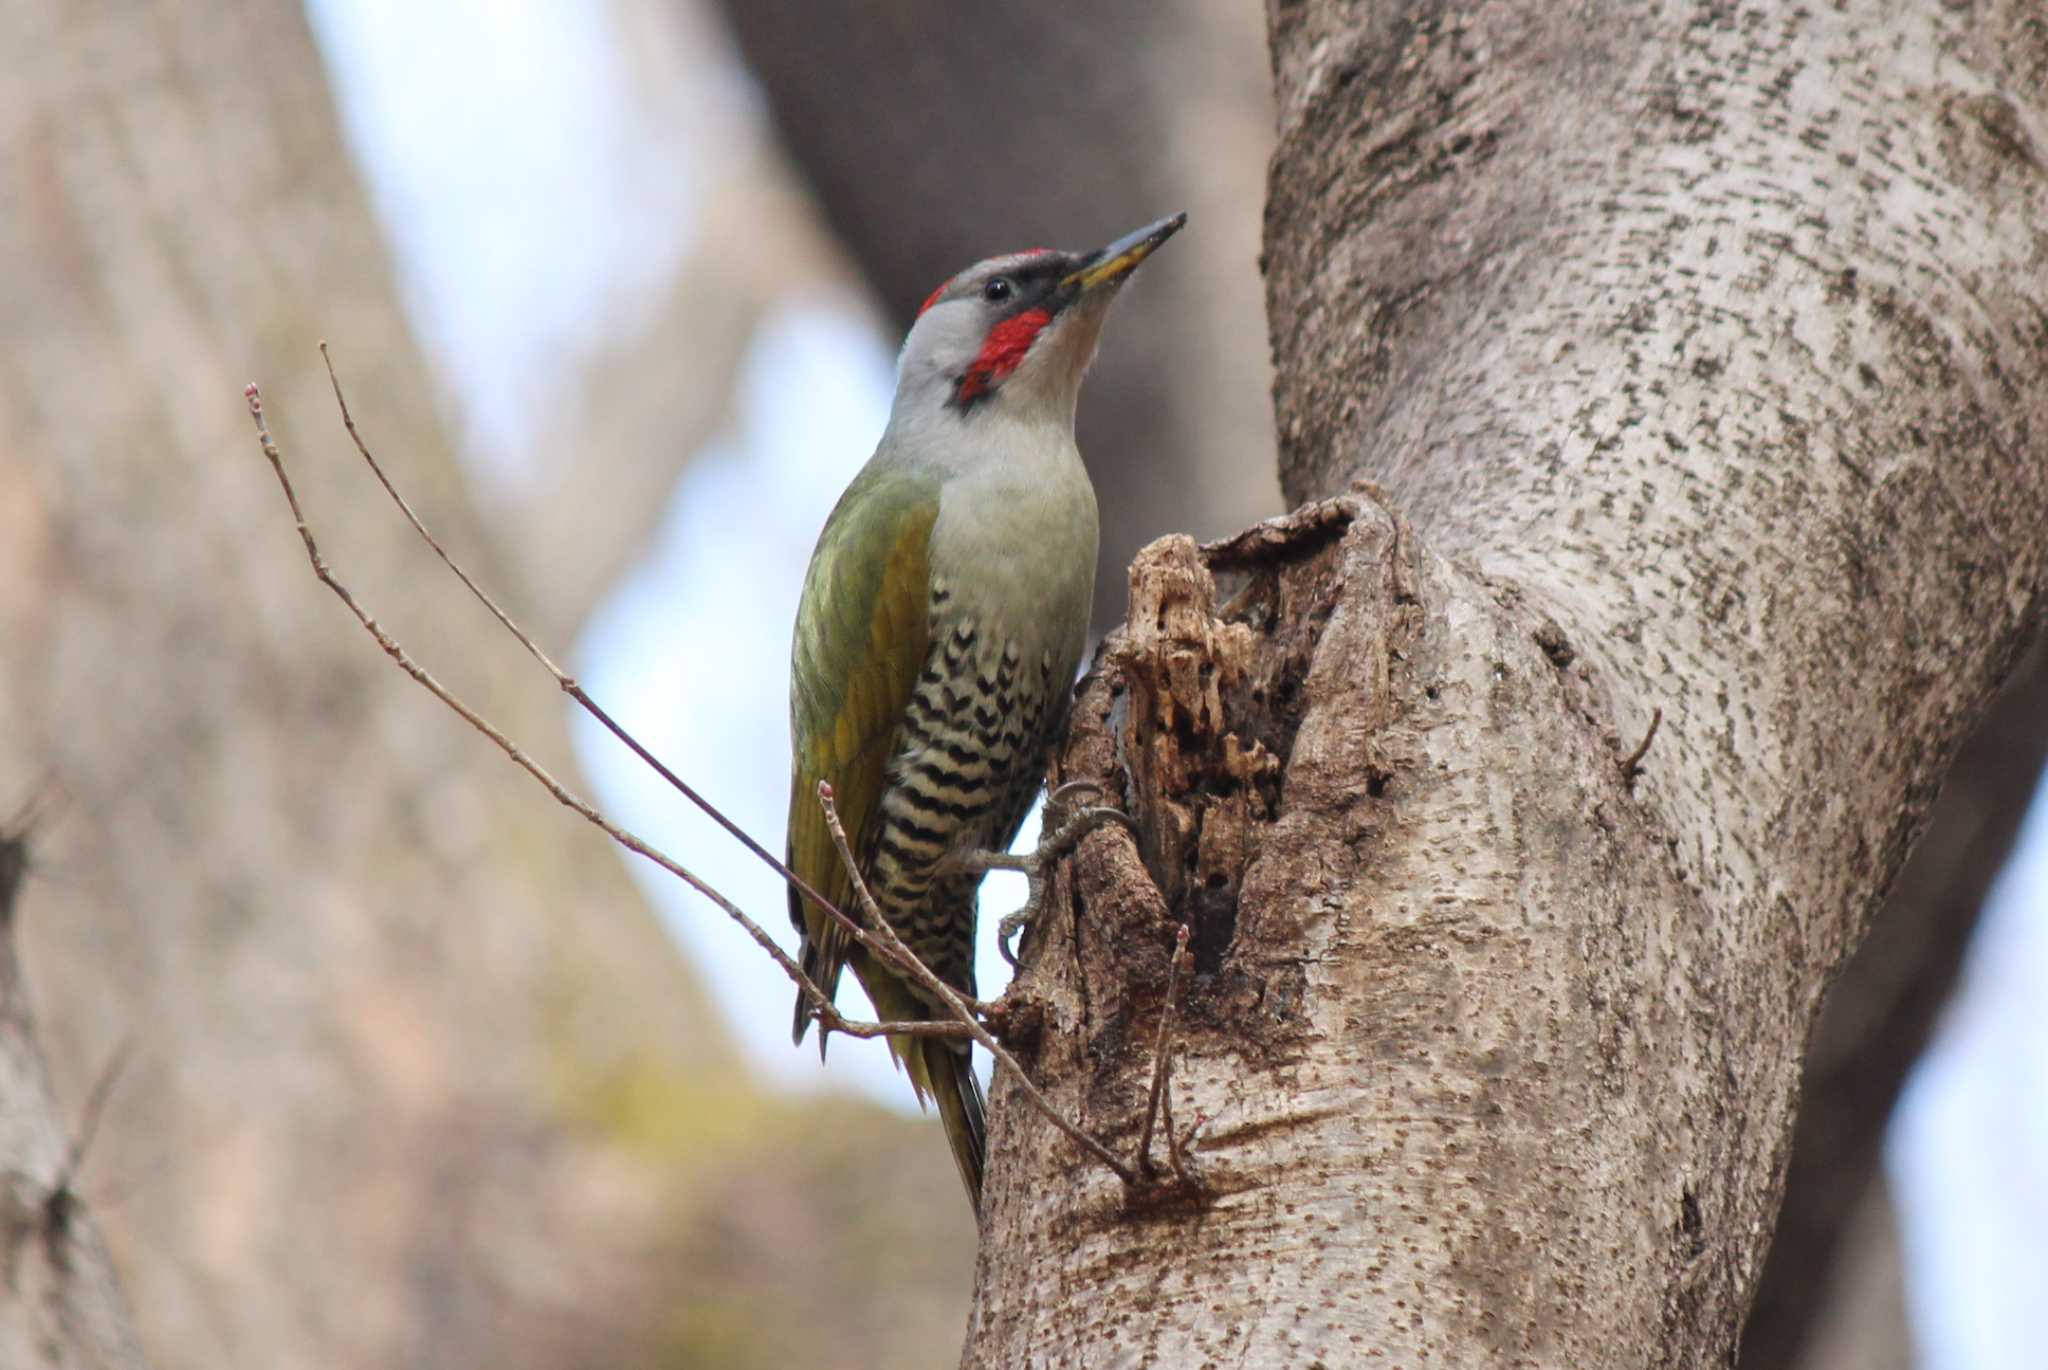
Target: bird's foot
column 1066, row 821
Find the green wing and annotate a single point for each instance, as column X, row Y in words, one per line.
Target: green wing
column 861, row 634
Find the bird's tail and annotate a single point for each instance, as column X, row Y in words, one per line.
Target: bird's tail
column 813, row 962
column 947, row 1071
column 822, row 959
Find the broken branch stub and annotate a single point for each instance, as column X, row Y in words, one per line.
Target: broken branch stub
column 1190, row 721
column 1213, row 696
column 1190, row 718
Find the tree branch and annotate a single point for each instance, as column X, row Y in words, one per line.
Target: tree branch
column 877, row 935
column 952, row 1000
column 575, row 691
column 1160, row 1058
column 64, row 1307
column 828, row 1015
column 1884, row 1006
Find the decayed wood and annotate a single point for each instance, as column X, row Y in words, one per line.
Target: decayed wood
column 1325, row 988
column 1707, row 351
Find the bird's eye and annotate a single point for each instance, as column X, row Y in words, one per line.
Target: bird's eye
column 997, row 290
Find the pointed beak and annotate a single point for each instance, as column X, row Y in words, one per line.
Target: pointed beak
column 1108, row 266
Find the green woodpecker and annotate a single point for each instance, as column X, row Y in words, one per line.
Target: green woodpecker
column 943, row 616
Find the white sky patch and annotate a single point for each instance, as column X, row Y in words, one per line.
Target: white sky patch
column 1968, row 1150
column 528, row 204
column 692, row 650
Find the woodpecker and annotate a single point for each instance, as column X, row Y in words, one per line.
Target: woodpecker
column 943, row 616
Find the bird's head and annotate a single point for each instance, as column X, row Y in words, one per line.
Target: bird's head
column 1015, row 334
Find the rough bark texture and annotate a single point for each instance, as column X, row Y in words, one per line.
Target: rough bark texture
column 64, row 1308
column 1706, row 348
column 1878, row 1018
column 935, row 134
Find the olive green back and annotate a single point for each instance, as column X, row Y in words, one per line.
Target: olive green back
column 861, row 637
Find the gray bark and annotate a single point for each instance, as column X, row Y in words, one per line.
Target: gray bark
column 362, row 1005
column 417, row 1078
column 1702, row 354
column 64, row 1307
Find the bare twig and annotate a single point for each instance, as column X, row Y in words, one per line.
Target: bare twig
column 36, row 810
column 575, row 691
column 880, row 938
column 1633, row 767
column 952, row 1000
column 63, row 1199
column 95, row 1106
column 1160, row 1054
column 828, row 1014
column 1174, row 1157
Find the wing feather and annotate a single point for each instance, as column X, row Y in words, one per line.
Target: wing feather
column 861, row 637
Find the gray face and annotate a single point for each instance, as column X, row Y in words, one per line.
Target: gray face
column 1014, row 334
column 983, row 328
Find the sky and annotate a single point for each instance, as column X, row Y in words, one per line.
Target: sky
column 1968, row 1149
column 532, row 207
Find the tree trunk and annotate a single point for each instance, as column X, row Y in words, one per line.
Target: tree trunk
column 1702, row 355
column 364, row 999
column 64, row 1309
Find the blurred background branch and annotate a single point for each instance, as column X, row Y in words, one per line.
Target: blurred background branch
column 63, row 1304
column 1879, row 1017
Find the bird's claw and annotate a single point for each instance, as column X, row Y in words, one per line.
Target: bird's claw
column 1062, row 832
column 1013, row 923
column 1063, row 799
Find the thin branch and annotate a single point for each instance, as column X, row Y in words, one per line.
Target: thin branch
column 575, row 691
column 1174, row 1157
column 1633, row 767
column 882, row 940
column 1160, row 1052
column 952, row 1000
column 828, row 1014
column 1177, row 1150
column 62, row 1202
column 95, row 1106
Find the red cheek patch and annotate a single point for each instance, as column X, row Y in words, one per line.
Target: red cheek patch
column 1003, row 351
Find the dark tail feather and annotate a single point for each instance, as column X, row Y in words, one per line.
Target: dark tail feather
column 808, row 958
column 813, row 961
column 950, row 1070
